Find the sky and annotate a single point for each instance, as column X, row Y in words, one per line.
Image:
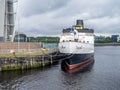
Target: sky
column 49, row 17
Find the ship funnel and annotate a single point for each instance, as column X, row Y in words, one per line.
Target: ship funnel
column 79, row 24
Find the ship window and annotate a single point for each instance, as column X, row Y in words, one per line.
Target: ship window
column 76, row 40
column 87, row 41
column 83, row 41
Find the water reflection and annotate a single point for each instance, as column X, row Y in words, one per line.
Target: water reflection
column 76, row 80
column 12, row 80
column 7, row 79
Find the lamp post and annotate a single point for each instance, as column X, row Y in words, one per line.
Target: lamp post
column 18, row 42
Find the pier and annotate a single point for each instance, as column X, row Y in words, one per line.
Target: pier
column 27, row 60
column 34, row 57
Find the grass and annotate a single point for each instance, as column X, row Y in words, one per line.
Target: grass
column 22, row 54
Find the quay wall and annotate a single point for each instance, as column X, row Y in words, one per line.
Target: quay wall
column 24, row 56
column 107, row 44
column 26, row 62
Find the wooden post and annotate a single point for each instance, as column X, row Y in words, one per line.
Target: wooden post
column 31, row 62
column 0, row 64
column 22, row 63
column 51, row 59
column 43, row 62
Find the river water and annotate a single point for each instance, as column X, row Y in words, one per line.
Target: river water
column 104, row 75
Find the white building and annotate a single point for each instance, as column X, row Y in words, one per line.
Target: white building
column 6, row 20
column 118, row 38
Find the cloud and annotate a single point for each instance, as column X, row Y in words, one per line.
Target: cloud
column 32, row 7
column 51, row 16
column 105, row 24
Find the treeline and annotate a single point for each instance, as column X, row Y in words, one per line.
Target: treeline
column 56, row 39
column 104, row 40
column 43, row 39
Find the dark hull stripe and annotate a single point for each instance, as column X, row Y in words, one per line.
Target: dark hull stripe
column 78, row 58
column 70, row 67
column 83, row 67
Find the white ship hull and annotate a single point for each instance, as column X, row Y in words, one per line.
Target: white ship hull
column 76, row 48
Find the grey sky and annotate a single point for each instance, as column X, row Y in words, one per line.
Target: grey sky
column 49, row 17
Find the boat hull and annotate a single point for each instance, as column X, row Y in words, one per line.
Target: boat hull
column 77, row 62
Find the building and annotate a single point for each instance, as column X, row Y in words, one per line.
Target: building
column 118, row 38
column 101, row 36
column 98, row 38
column 115, row 38
column 6, row 20
column 20, row 37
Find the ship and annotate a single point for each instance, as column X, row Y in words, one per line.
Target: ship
column 77, row 43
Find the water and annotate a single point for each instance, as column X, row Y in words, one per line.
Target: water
column 104, row 75
column 50, row 45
